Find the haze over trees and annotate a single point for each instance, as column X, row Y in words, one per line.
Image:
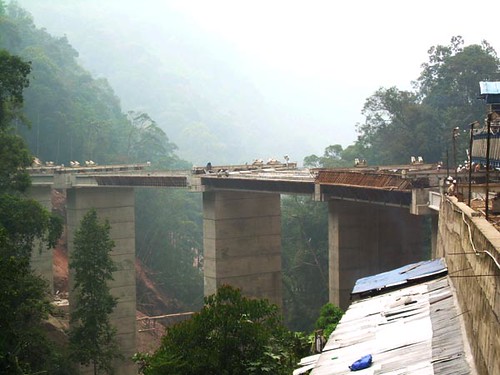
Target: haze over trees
column 399, row 123
column 75, row 116
column 24, row 226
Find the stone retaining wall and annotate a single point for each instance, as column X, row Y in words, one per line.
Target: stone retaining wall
column 462, row 239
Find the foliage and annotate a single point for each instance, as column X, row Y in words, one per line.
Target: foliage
column 14, row 79
column 230, row 335
column 328, row 319
column 398, row 116
column 24, row 302
column 305, row 260
column 420, row 123
column 332, row 157
column 74, row 116
column 92, row 338
column 13, row 154
column 146, row 141
column 168, row 241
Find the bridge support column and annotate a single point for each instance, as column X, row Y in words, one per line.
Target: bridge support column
column 42, row 262
column 242, row 243
column 116, row 205
column 366, row 239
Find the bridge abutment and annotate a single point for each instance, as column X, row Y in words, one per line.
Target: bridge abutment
column 366, row 239
column 116, row 205
column 242, row 243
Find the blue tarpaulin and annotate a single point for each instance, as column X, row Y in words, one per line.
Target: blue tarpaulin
column 400, row 276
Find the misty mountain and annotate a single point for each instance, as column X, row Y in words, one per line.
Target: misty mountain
column 186, row 80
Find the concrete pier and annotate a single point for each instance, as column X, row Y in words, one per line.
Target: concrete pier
column 116, row 205
column 366, row 239
column 42, row 259
column 242, row 243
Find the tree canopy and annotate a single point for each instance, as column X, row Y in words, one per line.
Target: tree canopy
column 24, row 302
column 403, row 123
column 230, row 335
column 74, row 116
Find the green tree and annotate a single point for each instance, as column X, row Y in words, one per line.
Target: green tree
column 146, row 141
column 92, row 337
column 230, row 335
column 24, row 299
column 332, row 157
column 399, row 116
column 169, row 242
column 305, row 260
column 420, row 123
column 329, row 317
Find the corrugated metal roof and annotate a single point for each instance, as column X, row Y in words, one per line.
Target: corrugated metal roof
column 400, row 276
column 489, row 88
column 413, row 330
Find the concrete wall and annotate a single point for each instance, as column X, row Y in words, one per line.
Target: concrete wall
column 42, row 259
column 366, row 239
column 242, row 243
column 117, row 205
column 472, row 275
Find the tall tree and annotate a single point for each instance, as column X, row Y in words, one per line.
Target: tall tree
column 420, row 123
column 449, row 84
column 92, row 337
column 398, row 116
column 230, row 335
column 24, row 302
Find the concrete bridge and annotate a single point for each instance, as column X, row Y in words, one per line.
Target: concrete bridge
column 375, row 222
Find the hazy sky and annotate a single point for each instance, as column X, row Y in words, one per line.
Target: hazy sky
column 335, row 54
column 327, row 56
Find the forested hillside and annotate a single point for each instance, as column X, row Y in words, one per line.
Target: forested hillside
column 73, row 116
column 215, row 115
column 177, row 74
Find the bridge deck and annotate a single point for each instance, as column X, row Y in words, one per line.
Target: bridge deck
column 391, row 185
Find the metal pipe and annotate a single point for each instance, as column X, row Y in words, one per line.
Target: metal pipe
column 470, row 160
column 488, row 136
column 455, row 134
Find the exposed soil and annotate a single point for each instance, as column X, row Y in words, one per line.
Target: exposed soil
column 151, row 301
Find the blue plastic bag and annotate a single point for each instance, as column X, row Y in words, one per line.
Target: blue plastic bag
column 362, row 363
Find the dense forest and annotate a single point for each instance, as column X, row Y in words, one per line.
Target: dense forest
column 68, row 114
column 72, row 116
column 180, row 77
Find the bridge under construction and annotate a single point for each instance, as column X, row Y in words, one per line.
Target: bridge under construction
column 375, row 221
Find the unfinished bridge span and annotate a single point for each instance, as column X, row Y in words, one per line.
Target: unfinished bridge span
column 375, row 220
